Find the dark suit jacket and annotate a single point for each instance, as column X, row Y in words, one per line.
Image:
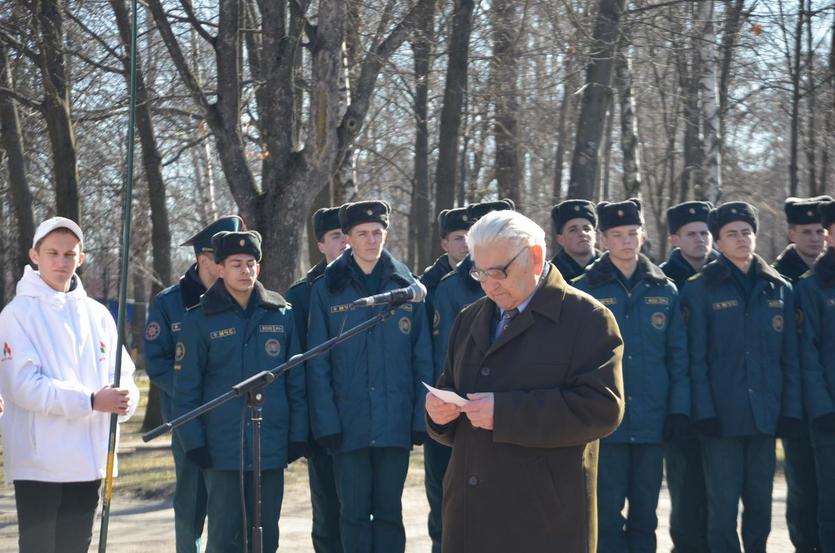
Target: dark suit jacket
column 529, row 485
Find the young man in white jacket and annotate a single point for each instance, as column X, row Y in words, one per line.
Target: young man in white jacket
column 58, row 360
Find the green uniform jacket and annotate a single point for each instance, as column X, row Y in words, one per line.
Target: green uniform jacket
column 655, row 377
column 816, row 296
column 299, row 298
column 743, row 354
column 220, row 346
column 165, row 321
column 456, row 291
column 679, row 270
column 790, row 264
column 367, row 390
column 569, row 268
column 431, row 278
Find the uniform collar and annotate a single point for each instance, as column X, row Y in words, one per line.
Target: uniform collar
column 825, row 269
column 340, row 274
column 191, row 288
column 217, row 299
column 718, row 271
column 603, row 271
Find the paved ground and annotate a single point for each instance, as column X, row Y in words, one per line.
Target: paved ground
column 142, row 526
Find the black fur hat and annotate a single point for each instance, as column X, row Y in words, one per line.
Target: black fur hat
column 610, row 215
column 685, row 213
column 803, row 211
column 572, row 209
column 372, row 211
column 730, row 212
column 227, row 243
column 325, row 220
column 450, row 220
column 479, row 210
column 827, row 213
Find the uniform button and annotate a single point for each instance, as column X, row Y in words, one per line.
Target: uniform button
column 485, row 371
column 631, row 439
column 371, row 388
column 373, row 442
column 750, row 391
column 472, row 481
column 627, row 316
column 629, row 357
column 628, row 398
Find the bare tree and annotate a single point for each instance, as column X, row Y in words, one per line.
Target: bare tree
column 710, row 106
column 596, row 96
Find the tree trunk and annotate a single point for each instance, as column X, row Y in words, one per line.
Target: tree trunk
column 419, row 239
column 829, row 125
column 49, row 21
column 596, row 94
column 811, row 111
column 794, row 73
column 450, row 126
column 21, row 195
column 733, row 19
column 712, row 189
column 630, row 145
column 151, row 160
column 504, row 72
column 692, row 176
column 605, row 188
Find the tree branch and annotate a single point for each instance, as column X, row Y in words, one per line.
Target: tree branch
column 196, row 23
column 25, row 100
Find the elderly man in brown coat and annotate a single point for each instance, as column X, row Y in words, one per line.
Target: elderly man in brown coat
column 540, row 365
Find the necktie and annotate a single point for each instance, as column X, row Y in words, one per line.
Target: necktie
column 507, row 316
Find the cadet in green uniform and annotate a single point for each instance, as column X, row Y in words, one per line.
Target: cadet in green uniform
column 238, row 330
column 366, row 395
column 165, row 321
column 693, row 248
column 323, row 499
column 806, row 242
column 816, row 295
column 646, row 305
column 744, row 375
column 455, row 291
column 575, row 230
column 453, row 225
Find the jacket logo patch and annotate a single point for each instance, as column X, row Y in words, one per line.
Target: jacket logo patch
column 725, row 304
column 176, row 327
column 7, row 352
column 152, row 331
column 179, row 352
column 777, row 323
column 658, row 320
column 272, row 347
column 222, row 333
column 657, row 300
column 607, row 301
column 340, row 308
column 830, row 302
column 405, row 324
column 271, row 328
column 775, row 303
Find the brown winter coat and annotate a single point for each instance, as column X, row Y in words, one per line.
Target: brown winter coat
column 529, row 485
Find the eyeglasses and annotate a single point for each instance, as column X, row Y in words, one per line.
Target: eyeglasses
column 482, row 275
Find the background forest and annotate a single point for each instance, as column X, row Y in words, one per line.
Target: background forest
column 273, row 108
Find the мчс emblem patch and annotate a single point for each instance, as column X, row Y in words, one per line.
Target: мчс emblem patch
column 405, row 324
column 272, row 347
column 152, row 331
column 777, row 323
column 658, row 320
column 179, row 352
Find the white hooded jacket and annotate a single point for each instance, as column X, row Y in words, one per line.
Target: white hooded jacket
column 58, row 349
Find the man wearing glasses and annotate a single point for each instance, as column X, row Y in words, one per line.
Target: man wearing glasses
column 540, row 366
column 455, row 291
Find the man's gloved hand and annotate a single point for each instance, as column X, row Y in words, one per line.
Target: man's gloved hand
column 824, row 424
column 296, row 450
column 709, row 427
column 200, row 457
column 418, row 438
column 788, row 427
column 676, row 427
column 331, row 441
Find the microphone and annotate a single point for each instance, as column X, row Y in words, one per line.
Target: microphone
column 414, row 293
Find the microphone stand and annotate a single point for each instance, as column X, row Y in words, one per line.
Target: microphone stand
column 251, row 388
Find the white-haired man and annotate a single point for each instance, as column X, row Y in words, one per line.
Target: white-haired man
column 540, row 365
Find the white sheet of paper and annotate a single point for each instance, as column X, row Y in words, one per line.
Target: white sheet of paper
column 447, row 396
